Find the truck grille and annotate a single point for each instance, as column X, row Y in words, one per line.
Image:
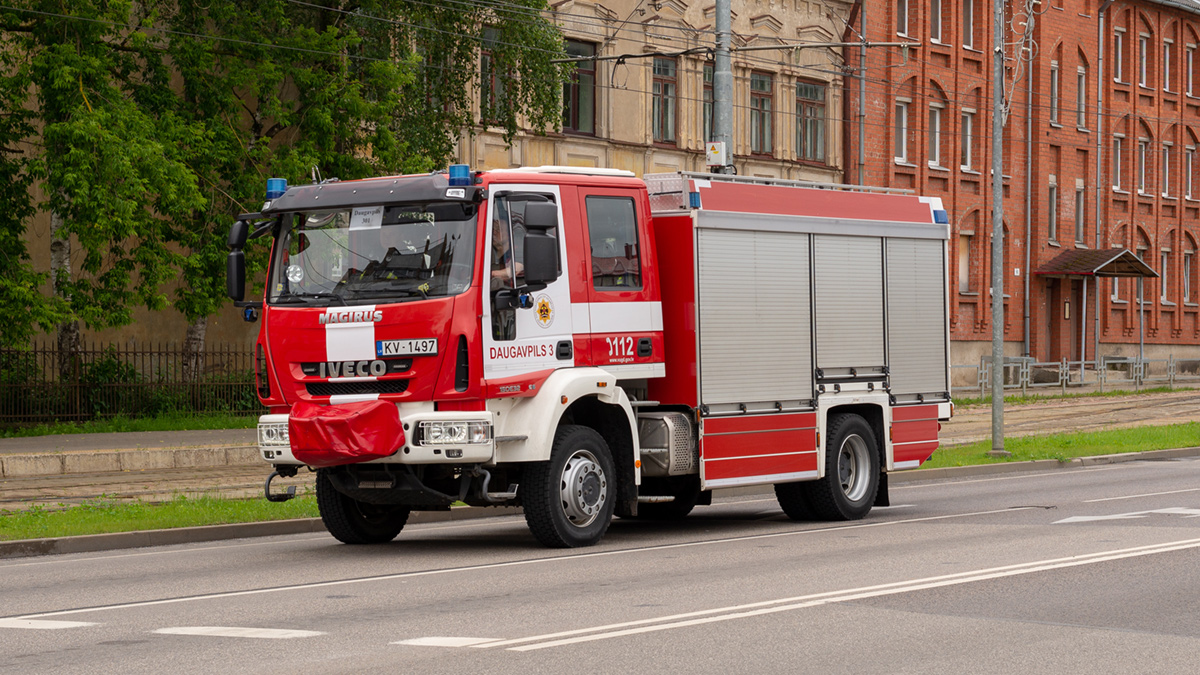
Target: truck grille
column 348, row 388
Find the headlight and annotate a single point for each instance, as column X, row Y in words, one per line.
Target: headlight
column 273, row 433
column 455, row 433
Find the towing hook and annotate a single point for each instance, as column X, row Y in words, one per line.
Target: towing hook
column 283, row 497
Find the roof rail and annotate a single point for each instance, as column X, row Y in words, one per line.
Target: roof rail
column 756, row 180
column 582, row 170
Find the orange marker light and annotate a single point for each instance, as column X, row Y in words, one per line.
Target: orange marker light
column 637, row 463
column 564, row 400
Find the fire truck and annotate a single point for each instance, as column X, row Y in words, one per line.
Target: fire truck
column 586, row 344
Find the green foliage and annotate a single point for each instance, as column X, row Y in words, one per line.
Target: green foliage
column 120, row 423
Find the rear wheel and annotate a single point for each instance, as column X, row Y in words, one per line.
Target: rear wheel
column 793, row 500
column 354, row 522
column 851, row 480
column 569, row 499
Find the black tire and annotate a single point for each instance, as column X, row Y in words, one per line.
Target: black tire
column 851, row 480
column 569, row 500
column 794, row 501
column 354, row 522
column 685, row 490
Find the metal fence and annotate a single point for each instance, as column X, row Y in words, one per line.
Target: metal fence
column 42, row 384
column 1112, row 373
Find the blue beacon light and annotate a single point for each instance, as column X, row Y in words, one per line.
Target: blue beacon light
column 460, row 174
column 276, row 187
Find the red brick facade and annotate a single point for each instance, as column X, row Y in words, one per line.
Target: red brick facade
column 928, row 127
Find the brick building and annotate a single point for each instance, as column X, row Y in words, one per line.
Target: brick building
column 1099, row 154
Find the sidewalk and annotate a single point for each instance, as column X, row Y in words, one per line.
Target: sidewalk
column 154, row 466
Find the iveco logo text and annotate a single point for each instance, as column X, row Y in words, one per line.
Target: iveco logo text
column 351, row 316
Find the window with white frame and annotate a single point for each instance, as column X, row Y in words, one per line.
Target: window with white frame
column 1143, row 59
column 968, row 23
column 1052, row 210
column 1187, row 276
column 1143, row 148
column 1166, row 170
column 1081, row 98
column 935, row 133
column 967, row 137
column 1117, row 158
column 902, row 17
column 1116, row 290
column 1080, row 211
column 935, row 20
column 901, row 131
column 964, row 263
column 1189, row 72
column 1054, row 92
column 1164, row 262
column 1119, row 55
column 1168, row 45
column 1189, row 154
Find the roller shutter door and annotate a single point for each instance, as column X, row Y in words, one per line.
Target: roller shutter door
column 916, row 286
column 848, row 302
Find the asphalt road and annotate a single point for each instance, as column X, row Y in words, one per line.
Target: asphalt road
column 981, row 575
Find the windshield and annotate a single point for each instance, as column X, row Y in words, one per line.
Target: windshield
column 374, row 254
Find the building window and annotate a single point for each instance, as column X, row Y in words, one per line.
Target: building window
column 1143, row 148
column 1054, row 92
column 1119, row 55
column 708, row 103
column 1188, row 154
column 810, row 121
column 1190, row 62
column 901, row 132
column 662, row 109
column 964, row 263
column 1080, row 212
column 1081, row 99
column 1166, row 170
column 1116, row 290
column 579, row 93
column 760, row 113
column 935, row 134
column 1164, row 262
column 1052, row 210
column 1166, row 65
column 902, row 17
column 1143, row 59
column 1117, row 155
column 1187, row 276
column 492, row 105
column 968, row 23
column 968, row 139
column 935, row 20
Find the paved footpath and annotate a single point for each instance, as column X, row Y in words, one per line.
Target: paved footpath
column 72, row 468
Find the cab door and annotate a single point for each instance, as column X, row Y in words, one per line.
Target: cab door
column 624, row 310
column 522, row 344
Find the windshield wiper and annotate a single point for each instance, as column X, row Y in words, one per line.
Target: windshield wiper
column 306, row 295
column 385, row 292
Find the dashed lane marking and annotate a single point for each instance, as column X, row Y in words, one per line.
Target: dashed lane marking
column 236, row 632
column 446, row 641
column 42, row 624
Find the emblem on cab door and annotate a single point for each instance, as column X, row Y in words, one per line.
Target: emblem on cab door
column 544, row 310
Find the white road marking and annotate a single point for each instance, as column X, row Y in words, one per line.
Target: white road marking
column 893, row 506
column 42, row 625
column 236, row 632
column 518, row 563
column 938, row 482
column 1176, row 511
column 445, row 641
column 817, row 599
column 1148, row 494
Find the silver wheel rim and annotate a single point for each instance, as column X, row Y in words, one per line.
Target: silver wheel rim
column 853, row 464
column 583, row 489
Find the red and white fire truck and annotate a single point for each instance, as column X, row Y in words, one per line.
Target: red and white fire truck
column 583, row 343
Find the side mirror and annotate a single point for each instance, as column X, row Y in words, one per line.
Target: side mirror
column 238, row 234
column 541, row 249
column 235, row 275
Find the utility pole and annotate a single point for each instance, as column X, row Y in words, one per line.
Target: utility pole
column 723, row 85
column 998, row 231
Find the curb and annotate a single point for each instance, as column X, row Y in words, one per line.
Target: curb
column 28, row 465
column 92, row 543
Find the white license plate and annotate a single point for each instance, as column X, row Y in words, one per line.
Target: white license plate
column 406, row 347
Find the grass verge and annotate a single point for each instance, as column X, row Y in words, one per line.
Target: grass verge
column 1068, row 446
column 104, row 516
column 161, row 423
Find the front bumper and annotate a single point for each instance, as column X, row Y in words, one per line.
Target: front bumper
column 274, row 444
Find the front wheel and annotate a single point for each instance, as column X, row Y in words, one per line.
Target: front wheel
column 353, row 522
column 851, row 480
column 569, row 499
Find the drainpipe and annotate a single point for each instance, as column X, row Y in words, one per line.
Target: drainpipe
column 1028, row 202
column 1099, row 175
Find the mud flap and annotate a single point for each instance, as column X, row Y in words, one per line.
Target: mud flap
column 881, row 496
